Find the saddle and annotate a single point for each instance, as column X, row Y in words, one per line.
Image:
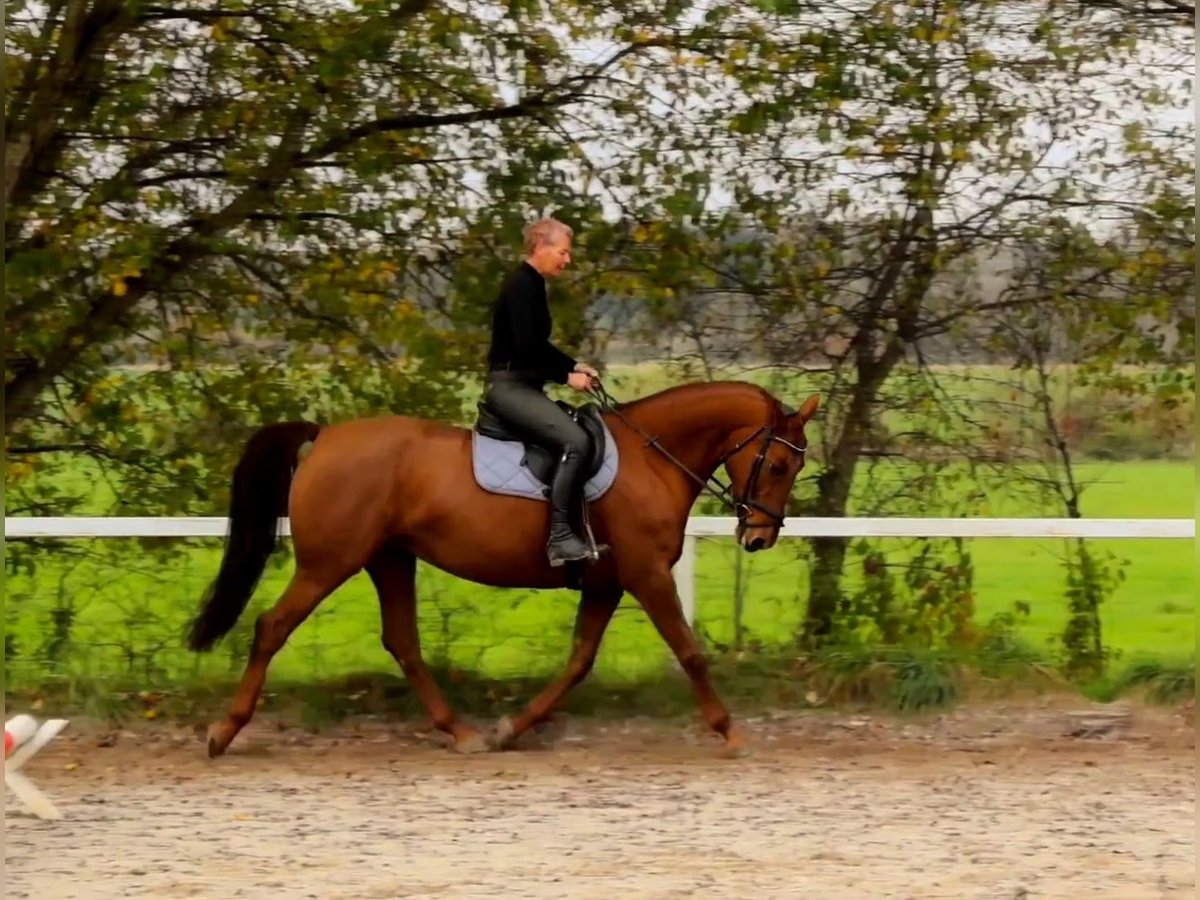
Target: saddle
column 540, row 460
column 541, row 463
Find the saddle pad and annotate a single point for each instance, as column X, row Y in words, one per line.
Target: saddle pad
column 498, row 469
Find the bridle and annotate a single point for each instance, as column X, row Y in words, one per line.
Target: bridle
column 723, row 492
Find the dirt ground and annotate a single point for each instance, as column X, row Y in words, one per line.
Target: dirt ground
column 1033, row 800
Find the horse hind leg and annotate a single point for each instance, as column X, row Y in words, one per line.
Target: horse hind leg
column 271, row 631
column 394, row 574
column 596, row 608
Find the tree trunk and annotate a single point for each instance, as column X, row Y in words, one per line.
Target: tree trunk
column 833, row 496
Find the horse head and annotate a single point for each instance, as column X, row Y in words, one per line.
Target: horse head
column 763, row 468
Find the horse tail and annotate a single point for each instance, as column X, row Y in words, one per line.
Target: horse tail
column 262, row 481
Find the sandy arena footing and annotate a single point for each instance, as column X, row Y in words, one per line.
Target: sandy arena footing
column 1039, row 800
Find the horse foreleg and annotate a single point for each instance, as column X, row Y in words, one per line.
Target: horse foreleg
column 596, row 608
column 395, row 576
column 271, row 631
column 656, row 593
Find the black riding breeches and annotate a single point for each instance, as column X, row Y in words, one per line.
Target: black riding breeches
column 539, row 419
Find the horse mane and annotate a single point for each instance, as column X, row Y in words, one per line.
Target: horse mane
column 681, row 392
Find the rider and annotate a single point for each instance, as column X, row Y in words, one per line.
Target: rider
column 521, row 360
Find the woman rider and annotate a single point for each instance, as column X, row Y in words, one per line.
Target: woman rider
column 521, row 360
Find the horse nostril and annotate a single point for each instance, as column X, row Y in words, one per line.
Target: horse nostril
column 756, row 544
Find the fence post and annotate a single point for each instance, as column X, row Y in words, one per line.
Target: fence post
column 685, row 579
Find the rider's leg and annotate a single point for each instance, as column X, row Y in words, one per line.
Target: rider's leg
column 564, row 544
column 529, row 410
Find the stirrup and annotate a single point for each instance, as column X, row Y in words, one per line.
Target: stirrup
column 597, row 549
column 558, row 554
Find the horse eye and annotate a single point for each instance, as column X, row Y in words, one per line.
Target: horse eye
column 778, row 468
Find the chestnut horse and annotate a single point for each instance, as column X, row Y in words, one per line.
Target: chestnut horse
column 382, row 493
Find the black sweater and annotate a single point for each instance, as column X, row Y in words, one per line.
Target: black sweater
column 521, row 329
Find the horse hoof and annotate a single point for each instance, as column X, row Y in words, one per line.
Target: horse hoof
column 549, row 731
column 502, row 734
column 735, row 746
column 216, row 745
column 472, row 742
column 736, row 751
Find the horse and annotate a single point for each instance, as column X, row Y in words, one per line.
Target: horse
column 383, row 492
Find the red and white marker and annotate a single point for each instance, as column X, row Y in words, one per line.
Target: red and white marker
column 23, row 738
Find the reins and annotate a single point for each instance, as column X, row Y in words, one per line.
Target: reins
column 723, row 492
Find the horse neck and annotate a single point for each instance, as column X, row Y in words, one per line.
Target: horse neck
column 699, row 424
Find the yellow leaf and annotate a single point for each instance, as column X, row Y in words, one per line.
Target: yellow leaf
column 119, row 288
column 18, row 471
column 151, row 714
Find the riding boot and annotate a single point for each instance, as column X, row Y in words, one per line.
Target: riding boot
column 564, row 544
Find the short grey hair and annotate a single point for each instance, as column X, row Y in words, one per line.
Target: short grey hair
column 543, row 231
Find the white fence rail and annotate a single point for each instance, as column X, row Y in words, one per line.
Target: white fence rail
column 22, row 527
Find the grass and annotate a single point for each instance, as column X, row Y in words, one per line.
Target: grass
column 892, row 678
column 129, row 612
column 1151, row 613
column 116, row 615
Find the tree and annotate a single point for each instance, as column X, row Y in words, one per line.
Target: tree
column 1102, row 366
column 227, row 196
column 1150, row 12
column 893, row 150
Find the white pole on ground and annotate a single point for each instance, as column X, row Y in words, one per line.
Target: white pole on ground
column 23, row 738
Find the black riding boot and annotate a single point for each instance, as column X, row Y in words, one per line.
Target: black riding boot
column 564, row 545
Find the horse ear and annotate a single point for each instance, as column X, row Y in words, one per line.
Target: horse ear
column 807, row 409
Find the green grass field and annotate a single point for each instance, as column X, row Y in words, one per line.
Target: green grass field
column 129, row 611
column 119, row 610
column 1152, row 612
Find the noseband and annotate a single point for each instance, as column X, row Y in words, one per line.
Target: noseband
column 724, row 492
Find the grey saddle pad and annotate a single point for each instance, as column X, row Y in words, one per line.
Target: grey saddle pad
column 498, row 469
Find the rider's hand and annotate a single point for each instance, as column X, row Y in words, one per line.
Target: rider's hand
column 581, row 381
column 586, row 369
